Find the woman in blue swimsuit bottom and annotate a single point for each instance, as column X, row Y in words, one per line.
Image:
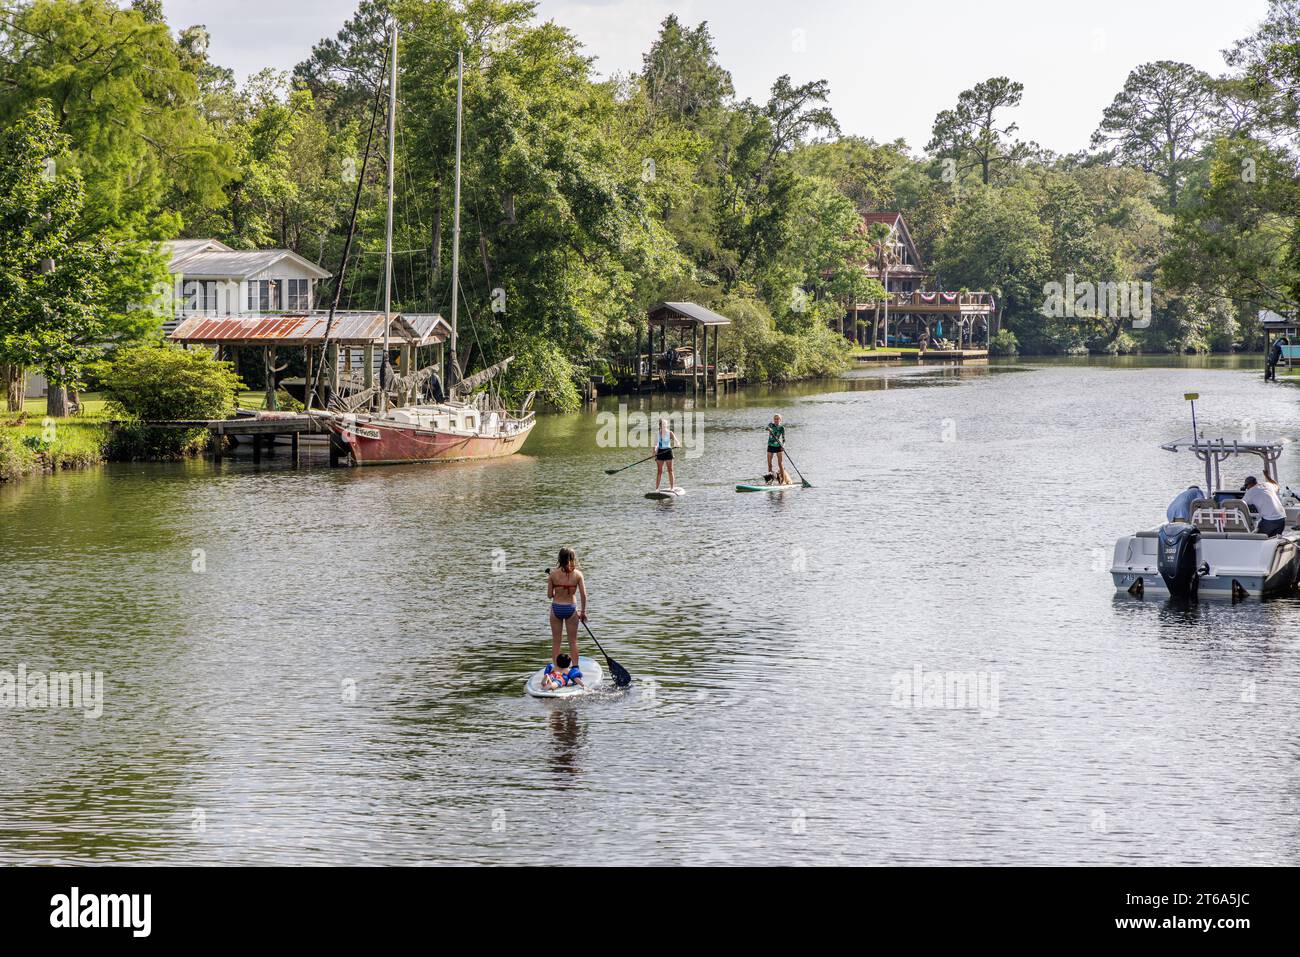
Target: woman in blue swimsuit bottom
column 562, row 585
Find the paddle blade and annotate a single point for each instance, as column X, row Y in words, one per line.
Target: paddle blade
column 622, row 678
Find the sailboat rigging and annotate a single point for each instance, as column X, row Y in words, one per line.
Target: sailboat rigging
column 461, row 425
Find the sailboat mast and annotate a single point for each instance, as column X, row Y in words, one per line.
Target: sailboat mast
column 388, row 239
column 453, row 374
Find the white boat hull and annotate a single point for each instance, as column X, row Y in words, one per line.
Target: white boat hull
column 1240, row 565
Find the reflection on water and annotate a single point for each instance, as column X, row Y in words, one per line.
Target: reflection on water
column 327, row 666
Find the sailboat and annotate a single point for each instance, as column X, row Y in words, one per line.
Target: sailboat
column 460, row 426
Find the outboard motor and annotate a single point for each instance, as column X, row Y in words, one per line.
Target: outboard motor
column 1176, row 558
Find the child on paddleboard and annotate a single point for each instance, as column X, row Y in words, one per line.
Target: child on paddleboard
column 561, row 674
column 664, row 444
column 562, row 583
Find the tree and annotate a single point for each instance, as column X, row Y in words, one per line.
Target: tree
column 125, row 102
column 1160, row 121
column 681, row 74
column 1239, row 238
column 1269, row 60
column 880, row 237
column 970, row 134
column 757, row 192
column 50, row 281
column 861, row 169
column 1002, row 246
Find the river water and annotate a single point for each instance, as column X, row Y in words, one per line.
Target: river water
column 327, row 666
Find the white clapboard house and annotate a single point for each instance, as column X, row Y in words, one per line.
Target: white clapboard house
column 211, row 279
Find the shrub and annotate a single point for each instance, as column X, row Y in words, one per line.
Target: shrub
column 287, row 403
column 151, row 382
column 161, row 383
column 1004, row 344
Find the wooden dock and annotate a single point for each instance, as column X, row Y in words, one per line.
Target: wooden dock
column 930, row 355
column 952, row 355
column 262, row 431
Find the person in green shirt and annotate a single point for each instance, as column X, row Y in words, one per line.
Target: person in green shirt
column 776, row 446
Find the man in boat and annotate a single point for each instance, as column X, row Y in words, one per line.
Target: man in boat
column 1180, row 509
column 776, row 445
column 1263, row 498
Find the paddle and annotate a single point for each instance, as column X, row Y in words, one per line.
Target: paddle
column 626, row 467
column 806, row 483
column 622, row 677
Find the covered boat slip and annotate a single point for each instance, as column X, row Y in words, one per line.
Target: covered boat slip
column 694, row 366
column 1285, row 332
column 351, row 347
column 342, row 357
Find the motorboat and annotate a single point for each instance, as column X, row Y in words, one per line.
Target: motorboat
column 1219, row 552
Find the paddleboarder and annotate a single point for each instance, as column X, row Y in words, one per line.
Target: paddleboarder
column 776, row 445
column 562, row 584
column 664, row 445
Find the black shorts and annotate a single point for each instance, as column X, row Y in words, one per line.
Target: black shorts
column 773, row 449
column 664, row 455
column 1271, row 526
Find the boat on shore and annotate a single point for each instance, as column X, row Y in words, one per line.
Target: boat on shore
column 1219, row 552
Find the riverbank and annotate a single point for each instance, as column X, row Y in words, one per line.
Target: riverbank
column 31, row 443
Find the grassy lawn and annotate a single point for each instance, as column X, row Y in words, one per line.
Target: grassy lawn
column 35, row 446
column 92, row 407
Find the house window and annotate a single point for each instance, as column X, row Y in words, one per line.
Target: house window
column 299, row 295
column 264, row 295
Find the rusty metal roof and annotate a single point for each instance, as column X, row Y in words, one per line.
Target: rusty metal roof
column 349, row 328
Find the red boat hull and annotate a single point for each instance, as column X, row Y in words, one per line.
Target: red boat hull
column 396, row 445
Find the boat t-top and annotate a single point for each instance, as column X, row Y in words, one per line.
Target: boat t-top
column 1218, row 552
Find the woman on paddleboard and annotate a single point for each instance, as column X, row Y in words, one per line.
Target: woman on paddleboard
column 776, row 446
column 664, row 444
column 562, row 584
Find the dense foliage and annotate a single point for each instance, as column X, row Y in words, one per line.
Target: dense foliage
column 588, row 200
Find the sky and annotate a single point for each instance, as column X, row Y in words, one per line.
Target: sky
column 891, row 65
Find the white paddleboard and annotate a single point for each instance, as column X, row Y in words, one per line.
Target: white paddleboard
column 592, row 677
column 666, row 493
column 758, row 487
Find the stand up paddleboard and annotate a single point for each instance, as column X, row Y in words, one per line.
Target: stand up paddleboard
column 666, row 493
column 593, row 676
column 768, row 488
